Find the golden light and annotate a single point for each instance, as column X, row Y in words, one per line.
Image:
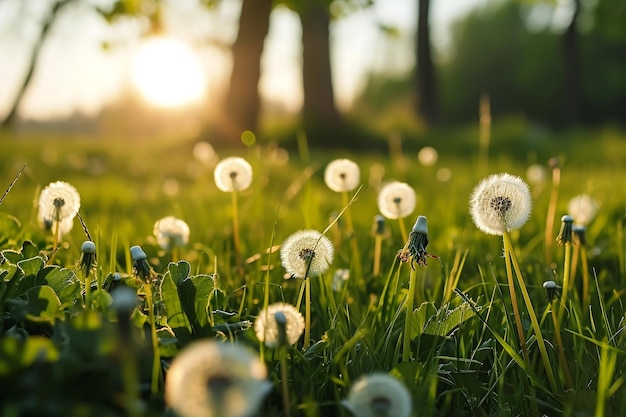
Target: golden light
column 167, row 72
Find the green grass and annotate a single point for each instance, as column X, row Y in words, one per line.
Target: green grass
column 465, row 353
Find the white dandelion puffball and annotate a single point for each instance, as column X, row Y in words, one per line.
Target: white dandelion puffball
column 427, row 156
column 396, row 200
column 171, row 231
column 583, row 209
column 500, row 203
column 306, row 249
column 233, row 174
column 342, row 175
column 208, row 376
column 64, row 225
column 379, row 395
column 268, row 322
column 58, row 201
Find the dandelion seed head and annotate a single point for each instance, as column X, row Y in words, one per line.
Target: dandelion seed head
column 499, row 203
column 396, row 200
column 379, row 395
column 427, row 156
column 306, row 248
column 342, row 175
column 208, row 376
column 58, row 201
column 268, row 322
column 583, row 209
column 50, row 225
column 233, row 174
column 171, row 231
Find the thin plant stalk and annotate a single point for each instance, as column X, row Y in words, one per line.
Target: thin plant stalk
column 405, row 235
column 554, row 196
column 356, row 260
column 236, row 242
column 307, row 313
column 508, row 253
column 156, row 356
column 284, row 376
column 559, row 343
column 585, row 275
column 410, row 300
column 567, row 262
column 378, row 240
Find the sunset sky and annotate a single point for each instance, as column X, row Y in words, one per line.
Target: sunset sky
column 77, row 74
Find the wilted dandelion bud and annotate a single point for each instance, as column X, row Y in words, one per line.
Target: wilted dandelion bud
column 415, row 248
column 140, row 263
column 379, row 228
column 233, row 174
column 583, row 209
column 59, row 200
column 306, row 253
column 88, row 257
column 396, row 200
column 552, row 289
column 565, row 234
column 580, row 234
column 124, row 302
column 500, row 203
column 171, row 232
column 212, row 379
column 342, row 175
column 379, row 395
column 276, row 319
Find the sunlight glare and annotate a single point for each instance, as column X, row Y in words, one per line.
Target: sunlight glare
column 168, row 73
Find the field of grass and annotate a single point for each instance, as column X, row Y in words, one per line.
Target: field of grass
column 459, row 353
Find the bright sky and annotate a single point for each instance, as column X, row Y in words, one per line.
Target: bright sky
column 76, row 74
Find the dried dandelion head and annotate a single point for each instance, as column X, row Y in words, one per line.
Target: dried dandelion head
column 59, row 200
column 279, row 324
column 379, row 395
column 233, row 174
column 213, row 379
column 306, row 253
column 500, row 203
column 396, row 200
column 583, row 209
column 171, row 231
column 342, row 175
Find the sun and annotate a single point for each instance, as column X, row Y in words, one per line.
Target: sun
column 167, row 72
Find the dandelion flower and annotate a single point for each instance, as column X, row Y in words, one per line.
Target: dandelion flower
column 379, row 395
column 209, row 376
column 64, row 225
column 170, row 231
column 233, row 174
column 396, row 200
column 267, row 325
column 583, row 209
column 58, row 201
column 499, row 203
column 306, row 253
column 427, row 156
column 342, row 175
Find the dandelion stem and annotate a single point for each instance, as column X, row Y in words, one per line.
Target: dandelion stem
column 559, row 343
column 236, row 242
column 307, row 313
column 585, row 274
column 378, row 239
column 405, row 236
column 284, row 376
column 566, row 279
column 509, row 253
column 406, row 345
column 156, row 357
column 554, row 195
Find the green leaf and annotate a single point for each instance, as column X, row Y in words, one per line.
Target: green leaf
column 443, row 326
column 43, row 304
column 195, row 294
column 100, row 300
column 58, row 278
column 29, row 250
column 176, row 317
column 17, row 353
column 179, row 271
column 31, row 266
column 421, row 316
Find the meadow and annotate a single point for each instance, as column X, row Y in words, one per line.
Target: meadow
column 510, row 325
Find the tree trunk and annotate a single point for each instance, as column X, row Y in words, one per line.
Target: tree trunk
column 571, row 70
column 319, row 108
column 243, row 102
column 10, row 118
column 427, row 98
